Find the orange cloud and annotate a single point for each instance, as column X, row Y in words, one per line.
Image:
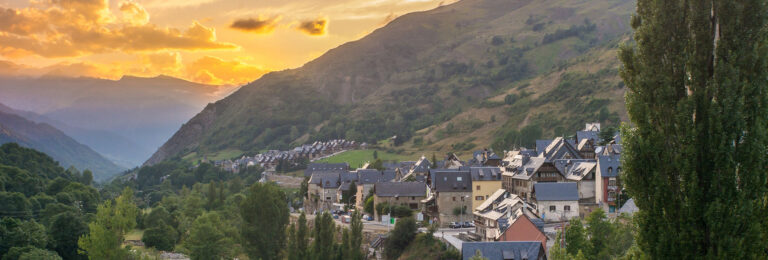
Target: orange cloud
column 79, row 27
column 315, row 27
column 259, row 25
column 215, row 71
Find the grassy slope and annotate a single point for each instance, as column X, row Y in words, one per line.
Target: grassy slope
column 357, row 158
column 384, row 79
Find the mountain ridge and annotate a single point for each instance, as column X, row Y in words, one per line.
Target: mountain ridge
column 439, row 74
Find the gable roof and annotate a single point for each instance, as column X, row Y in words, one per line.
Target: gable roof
column 503, row 250
column 629, row 207
column 485, row 173
column 588, row 135
column 315, row 167
column 609, row 165
column 451, row 180
column 541, row 145
column 401, row 189
column 560, row 149
column 326, row 180
column 556, row 191
column 370, row 176
column 575, row 169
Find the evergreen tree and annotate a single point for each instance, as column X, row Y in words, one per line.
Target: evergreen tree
column 106, row 232
column 695, row 152
column 434, row 161
column 599, row 231
column 400, row 237
column 323, row 233
column 575, row 239
column 207, row 239
column 64, row 231
column 557, row 252
column 265, row 216
column 302, row 237
column 353, row 239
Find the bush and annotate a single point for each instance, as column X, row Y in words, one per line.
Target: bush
column 404, row 232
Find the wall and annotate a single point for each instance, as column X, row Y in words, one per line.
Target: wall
column 404, row 201
column 487, row 188
column 446, row 204
column 559, row 214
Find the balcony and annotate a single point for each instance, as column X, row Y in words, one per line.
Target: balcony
column 611, row 199
column 613, row 187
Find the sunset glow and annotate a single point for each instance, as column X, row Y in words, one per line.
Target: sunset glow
column 218, row 42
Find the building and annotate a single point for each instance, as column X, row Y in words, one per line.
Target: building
column 520, row 172
column 525, row 228
column 531, row 250
column 607, row 185
column 407, row 194
column 485, row 181
column 325, row 167
column 322, row 190
column 557, row 202
column 582, row 172
column 451, row 194
column 495, row 215
column 367, row 178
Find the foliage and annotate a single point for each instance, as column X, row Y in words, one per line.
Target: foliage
column 558, row 252
column 298, row 243
column 20, row 233
column 574, row 30
column 694, row 155
column 162, row 237
column 106, row 231
column 478, row 256
column 399, row 238
column 397, row 211
column 265, row 216
column 323, row 237
column 368, row 207
column 65, row 229
column 207, row 239
column 575, row 237
column 600, row 239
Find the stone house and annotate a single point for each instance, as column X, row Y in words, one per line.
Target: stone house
column 557, row 202
column 407, row 194
column 452, row 193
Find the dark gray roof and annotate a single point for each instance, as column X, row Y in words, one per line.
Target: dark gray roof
column 402, row 189
column 504, row 250
column 369, row 176
column 485, row 173
column 561, row 149
column 541, row 145
column 452, row 181
column 556, row 191
column 609, row 165
column 591, row 135
column 314, row 167
column 327, row 180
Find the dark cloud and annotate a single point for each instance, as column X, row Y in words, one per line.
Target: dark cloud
column 314, row 27
column 255, row 25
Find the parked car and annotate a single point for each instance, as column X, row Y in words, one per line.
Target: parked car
column 454, row 225
column 336, row 216
column 467, row 224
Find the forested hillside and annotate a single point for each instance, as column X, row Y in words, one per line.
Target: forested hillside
column 461, row 73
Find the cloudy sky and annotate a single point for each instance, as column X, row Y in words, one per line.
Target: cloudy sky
column 222, row 42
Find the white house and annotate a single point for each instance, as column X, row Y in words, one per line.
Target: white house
column 557, row 201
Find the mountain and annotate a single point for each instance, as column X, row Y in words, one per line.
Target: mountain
column 460, row 76
column 125, row 120
column 45, row 138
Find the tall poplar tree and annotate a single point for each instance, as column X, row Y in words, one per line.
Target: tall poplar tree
column 695, row 151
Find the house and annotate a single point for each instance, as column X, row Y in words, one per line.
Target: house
column 484, row 158
column 346, row 180
column 557, row 202
column 322, row 190
column 531, row 250
column 523, row 227
column 607, row 185
column 583, row 173
column 325, row 167
column 407, row 194
column 485, row 181
column 629, row 207
column 367, row 178
column 452, row 193
column 494, row 216
column 520, row 173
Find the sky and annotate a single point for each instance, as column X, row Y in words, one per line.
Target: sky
column 219, row 42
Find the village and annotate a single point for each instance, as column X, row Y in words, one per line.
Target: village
column 523, row 195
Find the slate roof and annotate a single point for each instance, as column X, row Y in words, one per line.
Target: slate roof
column 503, row 250
column 523, row 166
column 629, row 207
column 327, row 180
column 370, row 176
column 589, row 135
column 402, row 189
column 452, row 181
column 560, row 149
column 485, row 173
column 608, row 165
column 575, row 169
column 541, row 145
column 556, row 191
column 315, row 167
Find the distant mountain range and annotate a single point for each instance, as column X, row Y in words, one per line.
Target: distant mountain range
column 461, row 76
column 125, row 120
column 15, row 128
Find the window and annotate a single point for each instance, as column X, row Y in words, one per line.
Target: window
column 458, row 178
column 610, row 170
column 454, row 198
column 552, row 208
column 462, row 198
column 413, row 198
column 612, row 182
column 397, row 198
column 478, row 187
column 567, row 208
column 479, row 198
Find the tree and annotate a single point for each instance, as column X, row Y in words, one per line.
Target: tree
column 368, row 207
column 299, row 239
column 354, row 238
column 478, row 256
column 375, row 154
column 265, row 217
column 376, row 164
column 87, row 178
column 18, row 233
column 207, row 239
column 323, row 233
column 111, row 223
column 557, row 252
column 404, row 232
column 599, row 231
column 65, row 229
column 575, row 239
column 606, row 135
column 162, row 237
column 33, row 253
column 434, row 161
column 157, row 216
column 694, row 154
